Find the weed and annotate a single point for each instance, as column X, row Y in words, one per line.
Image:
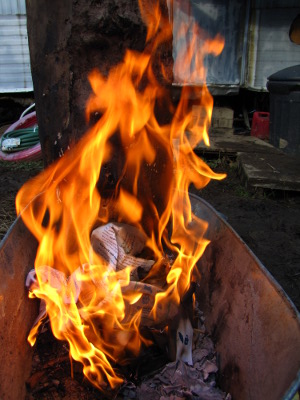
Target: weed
column 242, row 191
column 21, row 165
column 214, row 163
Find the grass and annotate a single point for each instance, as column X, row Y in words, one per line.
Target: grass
column 12, row 176
column 7, row 215
column 242, row 191
column 21, row 165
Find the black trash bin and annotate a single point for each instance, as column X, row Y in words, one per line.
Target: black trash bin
column 284, row 88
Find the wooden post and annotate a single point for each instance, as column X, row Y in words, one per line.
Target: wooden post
column 67, row 40
column 49, row 31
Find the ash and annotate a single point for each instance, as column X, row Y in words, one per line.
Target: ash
column 178, row 380
column 150, row 376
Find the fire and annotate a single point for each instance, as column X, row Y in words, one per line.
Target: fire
column 97, row 309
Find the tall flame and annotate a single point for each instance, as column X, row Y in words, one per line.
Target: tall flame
column 156, row 165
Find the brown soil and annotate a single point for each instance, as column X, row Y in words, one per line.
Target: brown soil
column 12, row 176
column 268, row 222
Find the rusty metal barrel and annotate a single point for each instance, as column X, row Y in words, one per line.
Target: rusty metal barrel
column 253, row 323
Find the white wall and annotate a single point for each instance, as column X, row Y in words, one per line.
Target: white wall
column 269, row 46
column 15, row 73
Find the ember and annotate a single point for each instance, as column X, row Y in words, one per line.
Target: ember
column 109, row 266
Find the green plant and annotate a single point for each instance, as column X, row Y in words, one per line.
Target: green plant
column 242, row 191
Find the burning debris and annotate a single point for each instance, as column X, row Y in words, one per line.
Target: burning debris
column 192, row 374
column 101, row 270
column 117, row 246
column 193, row 367
column 51, row 377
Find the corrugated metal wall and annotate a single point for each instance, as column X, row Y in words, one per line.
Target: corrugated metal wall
column 15, row 73
column 256, row 36
column 269, row 46
column 227, row 18
column 268, row 49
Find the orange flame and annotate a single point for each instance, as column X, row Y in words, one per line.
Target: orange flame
column 156, row 165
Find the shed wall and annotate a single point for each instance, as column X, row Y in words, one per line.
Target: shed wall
column 15, row 72
column 215, row 17
column 269, row 46
column 256, row 34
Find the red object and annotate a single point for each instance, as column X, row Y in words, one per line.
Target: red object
column 24, row 122
column 33, row 153
column 260, row 125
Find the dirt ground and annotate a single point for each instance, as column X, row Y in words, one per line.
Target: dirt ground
column 268, row 222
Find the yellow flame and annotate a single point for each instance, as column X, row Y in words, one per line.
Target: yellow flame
column 155, row 165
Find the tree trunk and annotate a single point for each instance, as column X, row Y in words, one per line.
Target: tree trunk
column 67, row 40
